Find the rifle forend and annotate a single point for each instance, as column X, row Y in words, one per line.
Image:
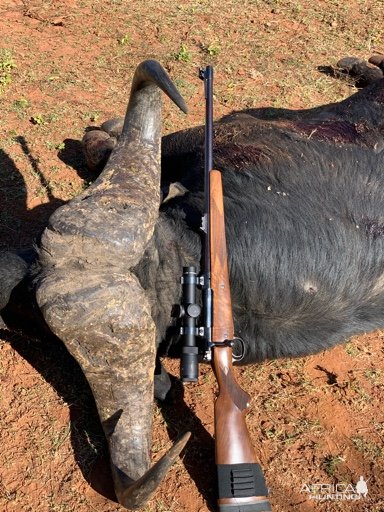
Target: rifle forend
column 222, row 323
column 241, row 485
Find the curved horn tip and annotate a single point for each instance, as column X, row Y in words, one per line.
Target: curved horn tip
column 152, row 70
column 136, row 495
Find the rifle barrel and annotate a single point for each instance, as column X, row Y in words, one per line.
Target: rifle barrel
column 241, row 484
column 208, row 160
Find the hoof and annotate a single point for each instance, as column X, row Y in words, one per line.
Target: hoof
column 360, row 70
column 377, row 60
column 347, row 63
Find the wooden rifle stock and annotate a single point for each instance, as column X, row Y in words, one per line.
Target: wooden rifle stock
column 241, row 483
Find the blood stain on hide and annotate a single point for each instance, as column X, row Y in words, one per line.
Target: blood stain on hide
column 238, row 156
column 373, row 228
column 333, row 131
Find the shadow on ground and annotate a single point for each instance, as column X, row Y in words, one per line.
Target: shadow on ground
column 49, row 357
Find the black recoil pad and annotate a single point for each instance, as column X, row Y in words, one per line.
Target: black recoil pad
column 242, row 481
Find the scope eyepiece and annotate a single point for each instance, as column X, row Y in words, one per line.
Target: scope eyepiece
column 189, row 364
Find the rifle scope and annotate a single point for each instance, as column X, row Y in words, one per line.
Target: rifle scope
column 189, row 312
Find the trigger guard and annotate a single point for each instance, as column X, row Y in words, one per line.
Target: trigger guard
column 235, row 357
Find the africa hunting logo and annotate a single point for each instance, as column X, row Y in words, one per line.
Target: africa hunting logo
column 339, row 492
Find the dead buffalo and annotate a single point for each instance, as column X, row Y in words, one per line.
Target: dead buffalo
column 305, row 233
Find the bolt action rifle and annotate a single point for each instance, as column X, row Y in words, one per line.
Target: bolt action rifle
column 241, row 485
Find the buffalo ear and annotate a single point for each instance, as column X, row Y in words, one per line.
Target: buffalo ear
column 97, row 147
column 113, row 127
